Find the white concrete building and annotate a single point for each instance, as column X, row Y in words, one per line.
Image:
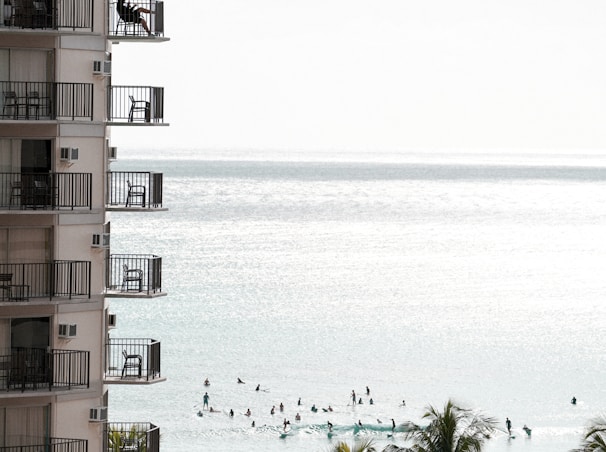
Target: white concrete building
column 58, row 356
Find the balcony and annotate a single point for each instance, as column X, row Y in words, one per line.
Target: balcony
column 47, row 15
column 132, row 361
column 46, row 101
column 124, row 27
column 134, row 191
column 53, row 191
column 135, row 106
column 132, row 436
column 45, row 444
column 134, row 276
column 49, row 280
column 36, row 369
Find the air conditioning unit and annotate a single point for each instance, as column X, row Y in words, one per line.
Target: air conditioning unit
column 112, row 153
column 100, row 240
column 69, row 154
column 111, row 321
column 98, row 414
column 102, row 67
column 67, row 330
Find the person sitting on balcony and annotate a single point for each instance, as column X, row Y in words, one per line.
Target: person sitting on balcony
column 131, row 13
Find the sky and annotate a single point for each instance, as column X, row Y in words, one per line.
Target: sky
column 389, row 75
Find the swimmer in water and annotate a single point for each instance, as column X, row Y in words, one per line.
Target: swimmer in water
column 248, row 412
column 329, row 426
column 393, row 425
column 240, row 381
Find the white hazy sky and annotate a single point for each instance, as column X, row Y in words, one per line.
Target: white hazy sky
column 374, row 75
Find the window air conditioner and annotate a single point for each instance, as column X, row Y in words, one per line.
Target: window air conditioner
column 102, row 67
column 67, row 330
column 112, row 153
column 98, row 414
column 100, row 240
column 69, row 154
column 111, row 321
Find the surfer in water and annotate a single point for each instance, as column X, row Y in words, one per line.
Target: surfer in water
column 574, row 400
column 353, row 396
column 508, row 425
column 393, row 425
column 240, row 381
column 205, row 398
column 329, row 426
column 286, row 424
column 258, row 387
column 206, row 382
column 248, row 413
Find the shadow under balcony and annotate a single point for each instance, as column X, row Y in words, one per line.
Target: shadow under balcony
column 132, row 436
column 24, row 282
column 135, row 106
column 132, row 361
column 46, row 191
column 46, row 101
column 47, row 15
column 134, row 191
column 134, row 276
column 123, row 24
column 33, row 369
column 21, row 444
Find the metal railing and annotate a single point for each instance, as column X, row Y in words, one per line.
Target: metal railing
column 22, row 282
column 132, row 436
column 128, row 358
column 48, row 445
column 49, row 14
column 53, row 191
column 38, row 369
column 134, row 188
column 134, row 273
column 123, row 22
column 46, row 100
column 135, row 104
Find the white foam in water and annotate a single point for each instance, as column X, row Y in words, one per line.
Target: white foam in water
column 474, row 277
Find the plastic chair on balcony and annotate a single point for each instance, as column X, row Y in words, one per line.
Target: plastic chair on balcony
column 131, row 362
column 131, row 275
column 16, row 194
column 32, row 103
column 135, row 195
column 10, row 103
column 5, row 285
column 138, row 106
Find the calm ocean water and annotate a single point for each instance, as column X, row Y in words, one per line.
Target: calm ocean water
column 477, row 277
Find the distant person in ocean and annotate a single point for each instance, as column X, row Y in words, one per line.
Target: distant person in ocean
column 281, row 406
column 508, row 425
column 273, row 410
column 353, row 396
column 360, row 401
column 393, row 425
column 574, row 400
column 527, row 430
column 329, row 408
column 205, row 398
column 367, row 390
column 359, row 422
column 313, row 408
column 298, row 417
column 299, row 401
column 258, row 387
column 200, row 413
column 371, row 401
column 253, row 424
column 231, row 413
column 329, row 426
column 286, row 424
column 206, row 382
column 403, row 402
column 248, row 413
column 240, row 381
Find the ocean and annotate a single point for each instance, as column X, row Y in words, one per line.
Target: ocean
column 476, row 277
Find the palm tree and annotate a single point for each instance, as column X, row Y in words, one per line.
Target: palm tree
column 595, row 436
column 453, row 430
column 359, row 446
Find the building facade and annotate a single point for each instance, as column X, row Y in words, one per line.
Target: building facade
column 58, row 352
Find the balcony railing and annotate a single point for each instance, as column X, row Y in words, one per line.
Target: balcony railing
column 124, row 24
column 46, row 445
column 22, row 282
column 138, row 189
column 34, row 101
column 39, row 369
column 134, row 274
column 132, row 360
column 133, row 436
column 49, row 14
column 135, row 105
column 55, row 191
